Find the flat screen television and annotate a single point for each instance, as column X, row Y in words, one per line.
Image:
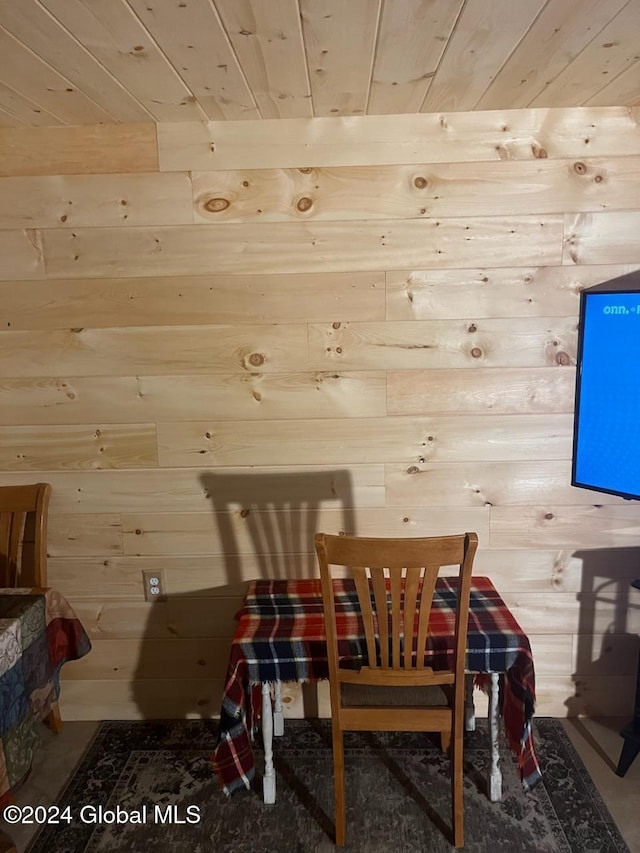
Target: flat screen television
column 606, row 431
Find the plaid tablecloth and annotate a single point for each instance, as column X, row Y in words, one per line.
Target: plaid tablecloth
column 281, row 637
column 38, row 633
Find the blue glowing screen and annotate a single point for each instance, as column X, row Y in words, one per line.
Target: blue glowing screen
column 606, row 453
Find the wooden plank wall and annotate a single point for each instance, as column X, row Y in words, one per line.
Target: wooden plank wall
column 218, row 338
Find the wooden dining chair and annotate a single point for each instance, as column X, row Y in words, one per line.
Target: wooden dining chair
column 395, row 691
column 24, row 514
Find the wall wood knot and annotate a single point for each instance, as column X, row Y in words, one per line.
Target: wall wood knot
column 216, row 205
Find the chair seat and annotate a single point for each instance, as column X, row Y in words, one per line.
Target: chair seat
column 368, row 695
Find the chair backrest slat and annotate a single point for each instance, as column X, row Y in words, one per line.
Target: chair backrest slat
column 411, row 591
column 363, row 591
column 426, row 600
column 397, row 618
column 381, row 615
column 23, row 535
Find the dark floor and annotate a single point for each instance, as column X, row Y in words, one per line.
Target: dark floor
column 597, row 741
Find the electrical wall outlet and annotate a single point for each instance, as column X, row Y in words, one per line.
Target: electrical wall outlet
column 153, row 583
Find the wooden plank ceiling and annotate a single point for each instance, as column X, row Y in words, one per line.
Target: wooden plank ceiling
column 70, row 62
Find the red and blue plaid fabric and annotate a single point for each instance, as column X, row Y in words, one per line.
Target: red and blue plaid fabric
column 281, row 637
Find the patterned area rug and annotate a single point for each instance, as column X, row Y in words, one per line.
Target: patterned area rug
column 397, row 796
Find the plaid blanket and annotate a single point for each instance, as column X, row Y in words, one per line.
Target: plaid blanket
column 281, row 637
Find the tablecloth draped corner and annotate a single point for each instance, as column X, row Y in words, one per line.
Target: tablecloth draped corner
column 40, row 634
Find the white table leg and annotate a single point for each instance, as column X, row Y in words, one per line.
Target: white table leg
column 469, row 707
column 278, row 716
column 495, row 774
column 269, row 780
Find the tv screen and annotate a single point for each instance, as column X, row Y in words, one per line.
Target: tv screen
column 606, row 433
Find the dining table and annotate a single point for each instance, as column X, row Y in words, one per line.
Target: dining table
column 280, row 637
column 39, row 632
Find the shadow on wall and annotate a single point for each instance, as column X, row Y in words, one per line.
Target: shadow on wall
column 266, row 522
column 608, row 644
column 263, row 526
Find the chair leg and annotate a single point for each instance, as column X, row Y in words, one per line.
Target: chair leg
column 53, row 719
column 457, row 807
column 338, row 784
column 445, row 741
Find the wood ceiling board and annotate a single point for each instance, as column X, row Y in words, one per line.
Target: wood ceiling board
column 411, row 39
column 609, row 53
column 340, row 42
column 193, row 39
column 24, row 111
column 24, row 71
column 7, row 119
column 116, row 38
column 268, row 43
column 558, row 34
column 224, row 60
column 623, row 89
column 41, row 33
column 482, row 40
